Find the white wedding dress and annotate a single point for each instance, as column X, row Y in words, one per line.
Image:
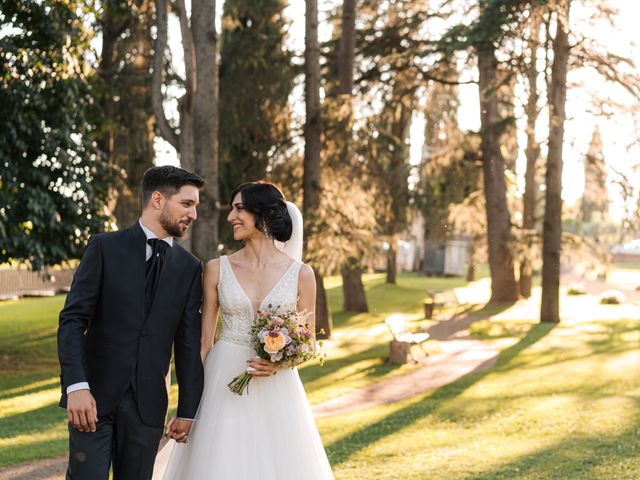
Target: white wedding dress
column 266, row 434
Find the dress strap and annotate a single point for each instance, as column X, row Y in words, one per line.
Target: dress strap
column 223, row 275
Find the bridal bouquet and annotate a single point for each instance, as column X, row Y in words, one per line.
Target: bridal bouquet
column 284, row 338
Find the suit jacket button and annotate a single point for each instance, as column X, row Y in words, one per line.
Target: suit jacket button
column 144, row 333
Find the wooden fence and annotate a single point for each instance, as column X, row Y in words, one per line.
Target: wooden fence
column 16, row 283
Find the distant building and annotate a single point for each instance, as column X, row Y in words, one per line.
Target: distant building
column 447, row 257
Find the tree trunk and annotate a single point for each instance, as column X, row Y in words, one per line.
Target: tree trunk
column 124, row 66
column 134, row 149
column 346, row 52
column 392, row 266
column 552, row 227
column 503, row 281
column 205, row 126
column 399, row 121
column 353, row 290
column 532, row 153
column 399, row 352
column 312, row 146
column 106, row 71
column 324, row 322
column 354, row 297
column 471, row 270
column 186, row 140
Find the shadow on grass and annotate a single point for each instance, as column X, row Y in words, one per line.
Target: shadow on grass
column 446, row 328
column 48, row 448
column 32, row 421
column 28, row 385
column 342, row 449
column 593, row 456
column 613, row 339
column 332, row 365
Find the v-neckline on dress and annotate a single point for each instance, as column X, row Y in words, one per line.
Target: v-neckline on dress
column 241, row 288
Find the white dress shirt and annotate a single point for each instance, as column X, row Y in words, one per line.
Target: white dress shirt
column 149, row 234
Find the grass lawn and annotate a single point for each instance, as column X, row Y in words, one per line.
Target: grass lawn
column 563, row 402
column 31, row 423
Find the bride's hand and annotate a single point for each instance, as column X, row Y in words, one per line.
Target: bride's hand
column 258, row 367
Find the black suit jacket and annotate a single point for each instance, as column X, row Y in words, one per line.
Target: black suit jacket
column 105, row 339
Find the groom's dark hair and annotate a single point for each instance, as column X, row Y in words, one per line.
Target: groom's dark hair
column 167, row 180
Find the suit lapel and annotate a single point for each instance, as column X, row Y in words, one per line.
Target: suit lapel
column 136, row 253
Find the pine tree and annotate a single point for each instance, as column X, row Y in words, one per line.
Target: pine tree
column 595, row 200
column 256, row 78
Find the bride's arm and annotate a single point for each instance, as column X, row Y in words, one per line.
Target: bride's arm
column 210, row 306
column 307, row 297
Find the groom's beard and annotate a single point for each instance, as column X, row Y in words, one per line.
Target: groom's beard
column 174, row 227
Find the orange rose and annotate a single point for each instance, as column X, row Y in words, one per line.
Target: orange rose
column 274, row 342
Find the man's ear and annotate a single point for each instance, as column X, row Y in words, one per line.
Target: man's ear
column 157, row 200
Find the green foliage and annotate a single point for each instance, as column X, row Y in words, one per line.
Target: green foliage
column 53, row 181
column 256, row 78
column 343, row 228
column 493, row 24
column 450, row 170
column 342, row 231
column 392, row 68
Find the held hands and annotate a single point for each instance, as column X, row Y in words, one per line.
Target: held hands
column 259, row 367
column 178, row 429
column 82, row 411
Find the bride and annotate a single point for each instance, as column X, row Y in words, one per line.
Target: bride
column 268, row 433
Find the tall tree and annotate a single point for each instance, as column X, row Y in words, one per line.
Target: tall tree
column 256, row 78
column 392, row 167
column 552, row 227
column 312, row 150
column 354, row 297
column 532, row 151
column 53, row 180
column 503, row 282
column 392, row 71
column 595, row 199
column 449, row 170
column 125, row 71
column 196, row 141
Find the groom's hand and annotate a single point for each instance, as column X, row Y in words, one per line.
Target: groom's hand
column 82, row 410
column 178, row 429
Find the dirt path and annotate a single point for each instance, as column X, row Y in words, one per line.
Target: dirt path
column 460, row 355
column 52, row 469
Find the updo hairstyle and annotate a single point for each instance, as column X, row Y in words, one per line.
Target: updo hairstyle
column 267, row 203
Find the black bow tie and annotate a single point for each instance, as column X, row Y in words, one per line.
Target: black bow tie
column 158, row 247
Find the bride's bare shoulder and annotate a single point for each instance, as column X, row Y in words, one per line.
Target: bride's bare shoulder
column 306, row 274
column 212, row 271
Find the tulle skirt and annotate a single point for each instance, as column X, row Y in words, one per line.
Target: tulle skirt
column 268, row 433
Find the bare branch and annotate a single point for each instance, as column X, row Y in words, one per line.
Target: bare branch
column 189, row 51
column 166, row 131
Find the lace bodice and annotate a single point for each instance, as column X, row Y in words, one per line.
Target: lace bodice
column 237, row 309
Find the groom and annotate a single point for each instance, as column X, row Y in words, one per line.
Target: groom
column 134, row 295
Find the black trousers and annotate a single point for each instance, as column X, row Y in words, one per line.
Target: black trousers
column 120, row 438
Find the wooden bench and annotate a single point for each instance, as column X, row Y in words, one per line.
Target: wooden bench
column 403, row 339
column 438, row 299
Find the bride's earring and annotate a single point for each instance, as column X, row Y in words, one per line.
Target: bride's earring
column 266, row 231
